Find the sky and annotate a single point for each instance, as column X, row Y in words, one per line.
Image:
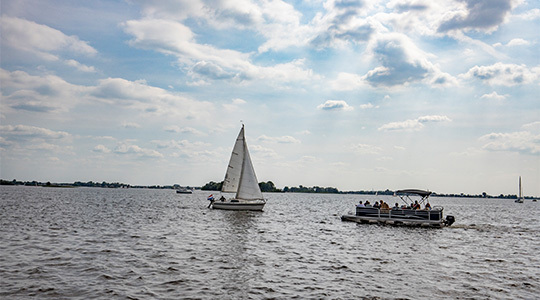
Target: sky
column 352, row 94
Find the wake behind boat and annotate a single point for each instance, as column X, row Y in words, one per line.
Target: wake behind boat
column 240, row 178
column 409, row 214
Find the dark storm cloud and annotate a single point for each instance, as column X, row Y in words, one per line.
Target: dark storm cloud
column 481, row 14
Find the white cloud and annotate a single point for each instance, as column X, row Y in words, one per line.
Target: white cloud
column 124, row 148
column 368, row 106
column 41, row 40
column 194, row 151
column 402, row 63
column 178, row 129
column 130, row 125
column 234, row 105
column 260, row 152
column 282, row 28
column 518, row 42
column 206, row 62
column 77, row 65
column 141, row 96
column 286, row 139
column 494, row 96
column 341, row 24
column 336, row 105
column 413, row 125
column 347, row 82
column 513, row 42
column 101, row 149
column 520, row 141
column 175, row 10
column 49, row 93
column 20, row 138
column 434, row 118
column 529, row 15
column 532, row 126
column 366, row 149
column 503, row 74
column 18, row 132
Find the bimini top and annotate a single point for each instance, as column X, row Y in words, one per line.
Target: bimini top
column 421, row 193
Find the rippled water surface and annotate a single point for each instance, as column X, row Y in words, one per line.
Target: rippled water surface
column 85, row 243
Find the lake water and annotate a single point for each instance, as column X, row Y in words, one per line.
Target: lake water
column 85, row 243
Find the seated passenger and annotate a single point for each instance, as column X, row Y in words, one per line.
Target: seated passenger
column 428, row 206
column 360, row 204
column 376, row 205
column 396, row 206
column 416, row 205
column 384, row 205
column 367, row 204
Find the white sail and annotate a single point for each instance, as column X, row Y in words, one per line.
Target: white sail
column 240, row 177
column 248, row 188
column 234, row 169
column 520, row 190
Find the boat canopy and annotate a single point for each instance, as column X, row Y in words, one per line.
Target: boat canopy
column 405, row 195
column 421, row 193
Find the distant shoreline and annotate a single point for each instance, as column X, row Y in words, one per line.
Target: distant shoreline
column 301, row 189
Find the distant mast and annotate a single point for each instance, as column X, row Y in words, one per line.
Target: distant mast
column 520, row 191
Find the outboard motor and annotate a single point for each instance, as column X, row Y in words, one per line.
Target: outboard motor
column 450, row 220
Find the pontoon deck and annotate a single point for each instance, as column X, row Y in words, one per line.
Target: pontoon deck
column 403, row 216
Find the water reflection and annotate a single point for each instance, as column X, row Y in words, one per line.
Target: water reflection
column 237, row 255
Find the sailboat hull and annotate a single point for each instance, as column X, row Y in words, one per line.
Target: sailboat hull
column 256, row 206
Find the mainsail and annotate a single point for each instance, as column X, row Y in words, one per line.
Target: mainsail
column 240, row 177
column 520, row 189
column 234, row 169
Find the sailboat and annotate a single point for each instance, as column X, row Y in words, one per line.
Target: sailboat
column 520, row 197
column 240, row 178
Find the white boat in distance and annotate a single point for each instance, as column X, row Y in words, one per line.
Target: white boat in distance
column 520, row 197
column 240, row 178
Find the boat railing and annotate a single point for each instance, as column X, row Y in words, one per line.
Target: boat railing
column 433, row 214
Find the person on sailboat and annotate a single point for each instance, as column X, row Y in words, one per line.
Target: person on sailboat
column 211, row 199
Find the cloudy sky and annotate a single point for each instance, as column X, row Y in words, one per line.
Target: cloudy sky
column 354, row 94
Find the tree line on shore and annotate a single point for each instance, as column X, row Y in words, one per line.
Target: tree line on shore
column 102, row 184
column 267, row 187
